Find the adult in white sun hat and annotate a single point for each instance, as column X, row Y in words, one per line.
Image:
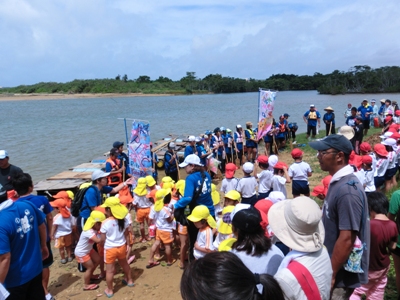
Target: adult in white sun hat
column 191, row 148
column 197, row 192
column 297, row 223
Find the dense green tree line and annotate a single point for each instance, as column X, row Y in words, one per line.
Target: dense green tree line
column 359, row 79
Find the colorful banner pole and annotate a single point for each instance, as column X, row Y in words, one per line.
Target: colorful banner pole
column 266, row 99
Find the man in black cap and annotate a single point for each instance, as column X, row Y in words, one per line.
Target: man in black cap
column 345, row 215
column 123, row 158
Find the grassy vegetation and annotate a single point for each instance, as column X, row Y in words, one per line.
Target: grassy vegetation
column 311, row 158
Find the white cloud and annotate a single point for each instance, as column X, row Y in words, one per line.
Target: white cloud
column 43, row 40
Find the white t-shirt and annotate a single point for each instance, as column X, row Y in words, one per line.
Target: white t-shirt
column 141, row 201
column 299, row 171
column 361, row 176
column 381, row 167
column 205, row 240
column 114, row 237
column 64, row 226
column 160, row 219
column 247, row 186
column 228, row 184
column 85, row 244
column 278, row 184
column 392, row 158
column 373, row 161
column 369, row 181
column 265, row 181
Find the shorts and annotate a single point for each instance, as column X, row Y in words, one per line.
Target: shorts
column 63, row 241
column 112, row 254
column 379, row 181
column 311, row 129
column 182, row 229
column 268, row 139
column 49, row 260
column 390, row 173
column 164, row 236
column 83, row 259
column 264, row 195
column 142, row 214
column 300, row 187
column 366, row 123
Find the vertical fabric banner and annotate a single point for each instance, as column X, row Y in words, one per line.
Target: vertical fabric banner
column 266, row 99
column 139, row 151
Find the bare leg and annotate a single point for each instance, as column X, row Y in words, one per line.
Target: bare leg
column 90, row 267
column 184, row 248
column 69, row 251
column 142, row 233
column 168, row 253
column 127, row 270
column 45, row 279
column 153, row 250
column 109, row 278
column 62, row 253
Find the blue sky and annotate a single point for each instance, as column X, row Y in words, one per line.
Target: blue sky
column 51, row 40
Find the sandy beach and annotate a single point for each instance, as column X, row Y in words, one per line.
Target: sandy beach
column 55, row 96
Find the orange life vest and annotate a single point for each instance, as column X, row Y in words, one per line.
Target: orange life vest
column 114, row 179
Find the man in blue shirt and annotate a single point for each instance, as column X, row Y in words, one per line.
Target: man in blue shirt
column 23, row 185
column 366, row 111
column 22, row 249
column 312, row 118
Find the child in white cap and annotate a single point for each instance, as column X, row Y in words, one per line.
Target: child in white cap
column 247, row 185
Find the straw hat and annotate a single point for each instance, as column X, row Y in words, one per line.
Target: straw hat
column 117, row 209
column 95, row 216
column 159, row 200
column 140, row 188
column 201, row 212
column 297, row 223
column 328, row 108
column 215, row 194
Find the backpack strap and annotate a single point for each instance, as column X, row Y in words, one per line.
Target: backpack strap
column 305, row 279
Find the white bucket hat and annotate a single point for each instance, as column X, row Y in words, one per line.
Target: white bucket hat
column 276, row 196
column 297, row 223
column 347, row 132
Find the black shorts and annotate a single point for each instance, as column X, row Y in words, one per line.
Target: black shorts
column 48, row 261
column 300, row 187
column 366, row 123
column 311, row 129
column 390, row 173
column 379, row 181
column 33, row 289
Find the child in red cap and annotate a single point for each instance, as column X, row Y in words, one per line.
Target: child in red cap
column 381, row 165
column 264, row 178
column 299, row 172
column 319, row 192
column 62, row 229
column 229, row 182
column 369, row 184
column 280, row 178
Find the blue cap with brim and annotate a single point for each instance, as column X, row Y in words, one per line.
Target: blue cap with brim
column 334, row 141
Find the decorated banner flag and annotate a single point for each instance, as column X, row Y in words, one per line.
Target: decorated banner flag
column 139, row 151
column 266, row 99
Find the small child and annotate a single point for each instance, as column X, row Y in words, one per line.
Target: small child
column 390, row 178
column 62, row 229
column 381, row 165
column 229, row 182
column 232, row 198
column 127, row 202
column 247, row 185
column 202, row 219
column 264, row 178
column 142, row 205
column 365, row 149
column 280, row 178
column 299, row 172
column 216, row 198
column 114, row 234
column 369, row 185
column 325, row 182
column 161, row 215
column 383, row 239
column 319, row 192
column 84, row 252
column 272, row 161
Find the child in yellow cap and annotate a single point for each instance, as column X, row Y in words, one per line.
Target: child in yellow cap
column 161, row 215
column 61, row 231
column 142, row 205
column 202, row 219
column 84, row 252
column 115, row 232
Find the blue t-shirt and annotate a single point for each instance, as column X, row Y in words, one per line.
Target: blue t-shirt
column 42, row 203
column 228, row 150
column 124, row 160
column 330, row 117
column 250, row 144
column 169, row 167
column 351, row 121
column 19, row 236
column 192, row 183
column 239, row 146
column 312, row 118
column 200, row 149
column 188, row 150
column 92, row 199
column 363, row 110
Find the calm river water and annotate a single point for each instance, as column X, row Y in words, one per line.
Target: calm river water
column 48, row 137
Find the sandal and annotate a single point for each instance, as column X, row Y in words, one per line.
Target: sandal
column 108, row 295
column 91, row 287
column 127, row 284
column 171, row 263
column 63, row 261
column 152, row 264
